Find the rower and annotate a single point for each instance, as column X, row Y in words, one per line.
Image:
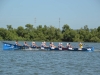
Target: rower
column 34, row 45
column 80, row 45
column 69, row 46
column 16, row 43
column 25, row 44
column 43, row 45
column 60, row 46
column 52, row 46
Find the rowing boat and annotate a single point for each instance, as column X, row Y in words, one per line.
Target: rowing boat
column 9, row 46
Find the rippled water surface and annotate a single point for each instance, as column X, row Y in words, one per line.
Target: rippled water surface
column 50, row 62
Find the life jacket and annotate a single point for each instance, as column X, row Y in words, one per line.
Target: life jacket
column 34, row 46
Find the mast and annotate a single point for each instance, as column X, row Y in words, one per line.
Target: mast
column 35, row 21
column 59, row 23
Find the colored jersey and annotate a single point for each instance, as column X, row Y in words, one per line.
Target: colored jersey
column 81, row 45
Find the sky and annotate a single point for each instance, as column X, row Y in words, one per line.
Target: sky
column 75, row 13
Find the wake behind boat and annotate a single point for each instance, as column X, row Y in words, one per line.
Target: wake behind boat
column 9, row 46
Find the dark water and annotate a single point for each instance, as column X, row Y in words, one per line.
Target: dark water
column 50, row 62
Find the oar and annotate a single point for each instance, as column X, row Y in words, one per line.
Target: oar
column 86, row 45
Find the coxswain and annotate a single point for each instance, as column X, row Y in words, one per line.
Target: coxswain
column 80, row 45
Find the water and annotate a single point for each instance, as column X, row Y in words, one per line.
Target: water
column 50, row 62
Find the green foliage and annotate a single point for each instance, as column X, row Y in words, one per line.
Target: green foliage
column 98, row 29
column 1, row 38
column 95, row 39
column 50, row 33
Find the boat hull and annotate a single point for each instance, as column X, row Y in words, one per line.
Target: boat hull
column 9, row 46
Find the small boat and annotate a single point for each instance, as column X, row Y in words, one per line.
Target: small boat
column 9, row 46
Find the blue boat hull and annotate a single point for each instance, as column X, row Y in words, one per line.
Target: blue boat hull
column 9, row 46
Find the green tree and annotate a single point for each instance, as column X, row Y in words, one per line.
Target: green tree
column 66, row 33
column 50, row 33
column 9, row 27
column 3, row 32
column 21, row 31
column 1, row 38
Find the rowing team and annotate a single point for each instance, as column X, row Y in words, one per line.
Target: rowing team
column 52, row 46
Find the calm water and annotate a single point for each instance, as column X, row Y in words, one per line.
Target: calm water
column 50, row 62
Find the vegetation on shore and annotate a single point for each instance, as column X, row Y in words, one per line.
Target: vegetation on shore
column 50, row 33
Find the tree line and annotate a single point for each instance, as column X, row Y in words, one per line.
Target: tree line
column 50, row 33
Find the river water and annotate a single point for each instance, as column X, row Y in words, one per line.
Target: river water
column 21, row 62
